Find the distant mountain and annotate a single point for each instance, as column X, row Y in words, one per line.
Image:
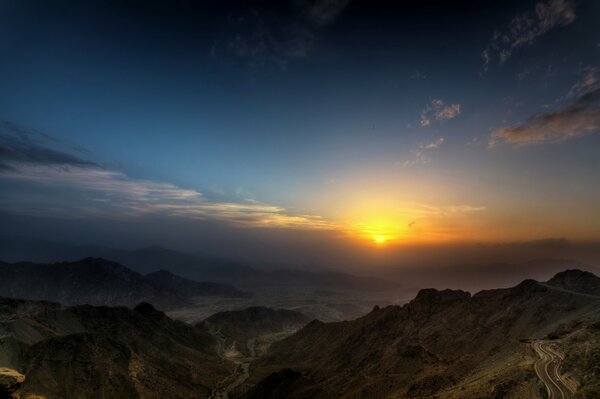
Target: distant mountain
column 168, row 281
column 154, row 258
column 430, row 347
column 100, row 282
column 237, row 327
column 102, row 352
column 232, row 272
column 477, row 276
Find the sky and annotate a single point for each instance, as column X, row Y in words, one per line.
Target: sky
column 304, row 127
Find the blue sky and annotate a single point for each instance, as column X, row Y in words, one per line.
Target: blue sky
column 469, row 119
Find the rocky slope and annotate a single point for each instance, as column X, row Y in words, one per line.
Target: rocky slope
column 577, row 281
column 107, row 352
column 434, row 346
column 101, row 282
column 239, row 327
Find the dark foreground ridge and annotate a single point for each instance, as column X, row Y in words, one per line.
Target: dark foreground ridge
column 110, row 352
column 443, row 344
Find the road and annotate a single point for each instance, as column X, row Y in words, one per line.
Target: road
column 547, row 369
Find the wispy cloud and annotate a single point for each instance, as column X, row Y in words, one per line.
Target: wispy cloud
column 323, row 12
column 524, row 29
column 276, row 34
column 82, row 188
column 22, row 145
column 590, row 81
column 434, row 144
column 580, row 118
column 438, row 110
column 419, row 155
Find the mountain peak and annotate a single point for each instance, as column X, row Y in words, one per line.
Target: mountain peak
column 573, row 273
column 433, row 295
column 576, row 280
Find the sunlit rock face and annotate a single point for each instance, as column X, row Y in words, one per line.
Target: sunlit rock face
column 10, row 381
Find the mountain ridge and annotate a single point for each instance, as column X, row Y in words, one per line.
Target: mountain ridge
column 101, row 282
column 425, row 347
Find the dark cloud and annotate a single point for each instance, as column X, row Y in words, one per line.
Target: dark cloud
column 323, row 12
column 577, row 119
column 524, row 29
column 275, row 33
column 20, row 145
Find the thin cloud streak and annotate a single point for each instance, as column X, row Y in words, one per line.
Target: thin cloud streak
column 134, row 197
column 578, row 119
column 29, row 146
column 524, row 29
column 419, row 154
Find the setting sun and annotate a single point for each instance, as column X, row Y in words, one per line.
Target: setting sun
column 380, row 239
column 381, row 231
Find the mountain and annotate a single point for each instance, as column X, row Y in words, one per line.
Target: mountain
column 198, row 268
column 107, row 352
column 241, row 329
column 577, row 281
column 443, row 344
column 101, row 282
column 477, row 276
column 194, row 267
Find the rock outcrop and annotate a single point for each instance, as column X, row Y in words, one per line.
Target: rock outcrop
column 10, row 381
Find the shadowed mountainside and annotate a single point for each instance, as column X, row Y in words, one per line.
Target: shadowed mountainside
column 431, row 347
column 100, row 282
column 238, row 327
column 104, row 352
column 577, row 281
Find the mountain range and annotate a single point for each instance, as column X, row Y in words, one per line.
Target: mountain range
column 97, row 281
column 194, row 267
column 442, row 344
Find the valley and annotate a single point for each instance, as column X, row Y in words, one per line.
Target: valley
column 536, row 340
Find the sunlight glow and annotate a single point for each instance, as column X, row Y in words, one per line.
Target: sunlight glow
column 379, row 239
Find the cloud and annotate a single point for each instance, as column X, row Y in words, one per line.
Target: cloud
column 19, row 145
column 324, row 12
column 437, row 110
column 580, row 118
column 76, row 187
column 434, row 144
column 524, row 29
column 276, row 33
column 419, row 154
column 589, row 82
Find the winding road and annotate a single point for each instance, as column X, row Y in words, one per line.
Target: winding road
column 547, row 369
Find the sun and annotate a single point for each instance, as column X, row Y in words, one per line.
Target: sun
column 380, row 239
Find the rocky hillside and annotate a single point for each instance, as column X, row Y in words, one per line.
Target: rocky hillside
column 107, row 352
column 577, row 281
column 434, row 346
column 238, row 327
column 100, row 282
